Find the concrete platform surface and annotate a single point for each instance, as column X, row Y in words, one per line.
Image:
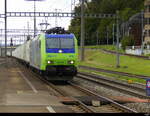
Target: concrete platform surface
column 21, row 91
column 40, row 98
column 35, row 109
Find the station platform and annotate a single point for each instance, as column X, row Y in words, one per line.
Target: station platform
column 21, row 93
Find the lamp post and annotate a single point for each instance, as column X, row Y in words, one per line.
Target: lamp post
column 34, row 14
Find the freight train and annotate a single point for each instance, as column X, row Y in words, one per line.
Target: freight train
column 53, row 54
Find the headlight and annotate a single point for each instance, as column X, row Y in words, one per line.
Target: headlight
column 60, row 51
column 71, row 62
column 49, row 62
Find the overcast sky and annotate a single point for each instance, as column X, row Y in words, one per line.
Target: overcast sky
column 28, row 6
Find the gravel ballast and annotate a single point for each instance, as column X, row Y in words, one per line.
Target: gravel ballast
column 139, row 107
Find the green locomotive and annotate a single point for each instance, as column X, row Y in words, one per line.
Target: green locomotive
column 53, row 55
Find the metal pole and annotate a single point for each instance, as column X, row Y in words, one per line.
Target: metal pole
column 28, row 27
column 1, row 41
column 71, row 5
column 34, row 19
column 97, row 37
column 82, row 31
column 107, row 35
column 24, row 35
column 56, row 18
column 129, row 31
column 123, row 33
column 142, row 46
column 113, row 33
column 117, row 59
column 11, row 44
column 6, row 30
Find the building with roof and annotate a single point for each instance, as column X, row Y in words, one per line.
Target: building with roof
column 134, row 27
column 147, row 25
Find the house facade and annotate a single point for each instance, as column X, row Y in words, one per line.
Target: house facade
column 147, row 18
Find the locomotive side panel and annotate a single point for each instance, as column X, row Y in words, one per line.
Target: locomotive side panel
column 35, row 54
column 43, row 53
column 24, row 52
column 27, row 53
column 19, row 53
column 32, row 53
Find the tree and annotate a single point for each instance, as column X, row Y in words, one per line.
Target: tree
column 126, row 8
column 127, row 41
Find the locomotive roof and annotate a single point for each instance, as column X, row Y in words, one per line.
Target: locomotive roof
column 71, row 36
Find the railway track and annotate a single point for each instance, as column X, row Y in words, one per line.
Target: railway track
column 115, row 85
column 63, row 93
column 116, row 107
column 114, row 72
column 113, row 103
column 58, row 92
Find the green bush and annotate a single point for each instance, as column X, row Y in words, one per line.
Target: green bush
column 148, row 43
column 127, row 41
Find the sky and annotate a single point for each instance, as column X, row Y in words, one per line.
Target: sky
column 28, row 6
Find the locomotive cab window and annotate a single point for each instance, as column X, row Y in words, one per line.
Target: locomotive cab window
column 59, row 43
column 67, row 43
column 52, row 43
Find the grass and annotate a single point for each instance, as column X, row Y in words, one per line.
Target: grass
column 107, row 47
column 117, row 77
column 98, row 59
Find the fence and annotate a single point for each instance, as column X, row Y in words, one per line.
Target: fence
column 136, row 50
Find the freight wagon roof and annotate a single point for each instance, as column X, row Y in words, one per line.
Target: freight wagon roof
column 71, row 36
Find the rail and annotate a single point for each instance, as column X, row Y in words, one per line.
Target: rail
column 114, row 72
column 121, row 87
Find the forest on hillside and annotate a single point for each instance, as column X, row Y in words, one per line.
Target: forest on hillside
column 101, row 28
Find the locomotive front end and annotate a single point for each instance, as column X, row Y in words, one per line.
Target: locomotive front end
column 61, row 55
